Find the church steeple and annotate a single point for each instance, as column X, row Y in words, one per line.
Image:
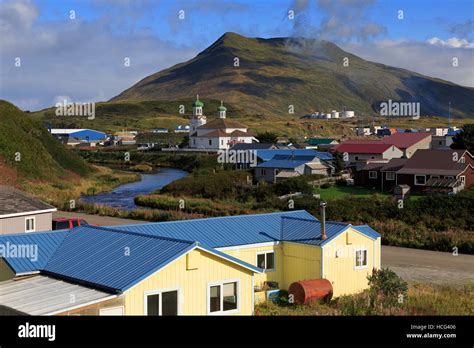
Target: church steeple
column 197, row 119
column 222, row 110
column 197, row 106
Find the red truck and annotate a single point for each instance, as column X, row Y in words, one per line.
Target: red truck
column 67, row 223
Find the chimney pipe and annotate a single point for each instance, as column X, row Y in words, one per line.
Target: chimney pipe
column 322, row 205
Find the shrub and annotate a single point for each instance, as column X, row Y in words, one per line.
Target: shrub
column 386, row 288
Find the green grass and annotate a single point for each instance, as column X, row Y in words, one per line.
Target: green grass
column 422, row 299
column 335, row 192
column 28, row 149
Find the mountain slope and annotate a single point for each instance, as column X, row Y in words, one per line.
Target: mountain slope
column 309, row 74
column 28, row 151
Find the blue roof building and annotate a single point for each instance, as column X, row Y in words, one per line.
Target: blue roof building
column 201, row 266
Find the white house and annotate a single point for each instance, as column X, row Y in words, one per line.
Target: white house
column 218, row 134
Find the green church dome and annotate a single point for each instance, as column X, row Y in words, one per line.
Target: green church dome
column 222, row 107
column 198, row 103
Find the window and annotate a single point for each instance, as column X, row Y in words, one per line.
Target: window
column 75, row 222
column 264, row 172
column 361, row 258
column 161, row 303
column 30, row 224
column 210, row 142
column 390, row 175
column 222, row 142
column 372, row 174
column 266, row 261
column 60, row 225
column 463, row 179
column 223, row 297
column 356, row 158
column 420, row 179
column 111, row 311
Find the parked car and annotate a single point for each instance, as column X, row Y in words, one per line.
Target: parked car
column 67, row 223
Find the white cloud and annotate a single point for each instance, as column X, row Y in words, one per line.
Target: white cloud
column 80, row 59
column 421, row 57
column 452, row 42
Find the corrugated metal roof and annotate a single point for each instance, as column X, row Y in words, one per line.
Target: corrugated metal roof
column 367, row 230
column 42, row 243
column 267, row 155
column 40, row 295
column 285, row 164
column 309, row 231
column 222, row 231
column 115, row 260
column 112, row 260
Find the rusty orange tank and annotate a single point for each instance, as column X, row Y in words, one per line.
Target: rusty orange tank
column 305, row 291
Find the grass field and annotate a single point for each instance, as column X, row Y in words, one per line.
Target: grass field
column 335, row 192
column 422, row 299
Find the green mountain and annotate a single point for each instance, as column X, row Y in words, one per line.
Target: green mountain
column 273, row 74
column 28, row 151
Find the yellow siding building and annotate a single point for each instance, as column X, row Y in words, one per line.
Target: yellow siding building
column 218, row 266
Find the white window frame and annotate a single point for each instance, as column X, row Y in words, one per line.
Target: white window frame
column 265, row 253
column 366, row 258
column 160, row 292
column 221, row 284
column 420, row 184
column 372, row 172
column 387, row 178
column 34, row 223
column 101, row 310
column 463, row 179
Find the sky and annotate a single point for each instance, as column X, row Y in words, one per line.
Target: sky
column 51, row 50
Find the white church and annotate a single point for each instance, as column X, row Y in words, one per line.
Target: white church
column 218, row 134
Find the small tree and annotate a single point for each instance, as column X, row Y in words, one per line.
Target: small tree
column 387, row 288
column 465, row 138
column 338, row 162
column 267, row 138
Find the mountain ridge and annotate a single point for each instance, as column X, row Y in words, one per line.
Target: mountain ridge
column 275, row 73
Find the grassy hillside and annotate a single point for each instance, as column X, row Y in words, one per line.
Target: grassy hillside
column 30, row 152
column 117, row 115
column 308, row 74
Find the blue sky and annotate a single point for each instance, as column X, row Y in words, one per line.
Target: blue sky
column 81, row 58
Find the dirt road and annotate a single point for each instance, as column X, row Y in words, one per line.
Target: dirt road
column 411, row 264
column 427, row 266
column 97, row 219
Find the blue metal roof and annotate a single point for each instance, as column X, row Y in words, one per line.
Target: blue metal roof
column 266, row 155
column 221, row 231
column 309, row 231
column 367, row 230
column 110, row 259
column 43, row 244
column 115, row 260
column 285, row 164
column 89, row 134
